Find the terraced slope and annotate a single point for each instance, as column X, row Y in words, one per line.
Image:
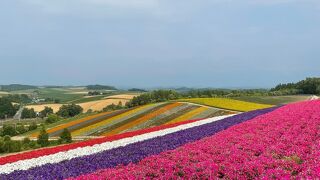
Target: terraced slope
column 230, row 104
column 110, row 123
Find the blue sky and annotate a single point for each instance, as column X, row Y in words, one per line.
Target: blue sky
column 148, row 43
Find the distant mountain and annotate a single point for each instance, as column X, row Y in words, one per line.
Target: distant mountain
column 137, row 90
column 16, row 87
column 100, row 87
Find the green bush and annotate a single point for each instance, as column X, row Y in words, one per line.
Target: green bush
column 52, row 118
column 65, row 136
column 43, row 138
column 33, row 126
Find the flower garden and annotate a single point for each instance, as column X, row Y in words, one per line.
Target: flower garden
column 115, row 122
column 278, row 142
column 230, row 104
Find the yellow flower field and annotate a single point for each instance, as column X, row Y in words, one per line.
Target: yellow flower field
column 229, row 104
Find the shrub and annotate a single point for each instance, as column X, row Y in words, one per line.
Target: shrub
column 52, row 118
column 65, row 136
column 43, row 138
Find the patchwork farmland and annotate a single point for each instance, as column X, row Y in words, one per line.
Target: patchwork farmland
column 120, row 121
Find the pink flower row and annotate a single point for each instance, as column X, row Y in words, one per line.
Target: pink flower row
column 282, row 144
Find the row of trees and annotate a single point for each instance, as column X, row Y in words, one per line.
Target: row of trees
column 8, row 146
column 165, row 95
column 307, row 86
column 16, row 129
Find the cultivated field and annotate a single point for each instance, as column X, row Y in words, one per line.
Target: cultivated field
column 230, row 104
column 96, row 105
column 262, row 144
column 110, row 123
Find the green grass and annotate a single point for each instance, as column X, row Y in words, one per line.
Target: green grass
column 274, row 100
column 229, row 104
column 63, row 95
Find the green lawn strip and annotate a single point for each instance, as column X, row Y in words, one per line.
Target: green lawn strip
column 119, row 124
column 88, row 99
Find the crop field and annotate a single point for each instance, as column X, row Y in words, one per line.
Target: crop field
column 95, row 105
column 273, row 143
column 230, row 104
column 274, row 100
column 116, row 122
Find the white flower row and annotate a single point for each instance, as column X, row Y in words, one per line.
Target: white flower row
column 89, row 150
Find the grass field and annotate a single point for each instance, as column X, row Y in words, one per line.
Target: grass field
column 229, row 104
column 274, row 100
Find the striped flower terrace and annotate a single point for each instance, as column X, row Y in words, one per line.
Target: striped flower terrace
column 89, row 156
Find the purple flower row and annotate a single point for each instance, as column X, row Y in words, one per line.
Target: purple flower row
column 130, row 153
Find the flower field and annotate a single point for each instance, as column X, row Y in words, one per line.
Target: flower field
column 278, row 142
column 110, row 123
column 230, row 104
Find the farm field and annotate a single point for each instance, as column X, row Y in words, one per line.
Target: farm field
column 95, row 105
column 274, row 100
column 230, row 104
column 253, row 144
column 116, row 122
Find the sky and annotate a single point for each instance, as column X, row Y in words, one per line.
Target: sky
column 159, row 43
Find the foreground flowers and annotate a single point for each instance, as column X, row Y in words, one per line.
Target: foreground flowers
column 282, row 144
column 105, row 154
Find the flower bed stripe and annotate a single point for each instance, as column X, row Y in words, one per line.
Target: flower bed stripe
column 284, row 144
column 118, row 124
column 61, row 127
column 53, row 150
column 132, row 152
column 96, row 126
column 93, row 150
column 188, row 115
column 142, row 119
column 157, row 118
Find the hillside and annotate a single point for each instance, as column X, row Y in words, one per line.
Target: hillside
column 115, row 122
column 257, row 144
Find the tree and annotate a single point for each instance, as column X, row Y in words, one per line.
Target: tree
column 52, row 118
column 6, row 108
column 8, row 130
column 65, row 136
column 43, row 138
column 28, row 113
column 46, row 111
column 69, row 110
